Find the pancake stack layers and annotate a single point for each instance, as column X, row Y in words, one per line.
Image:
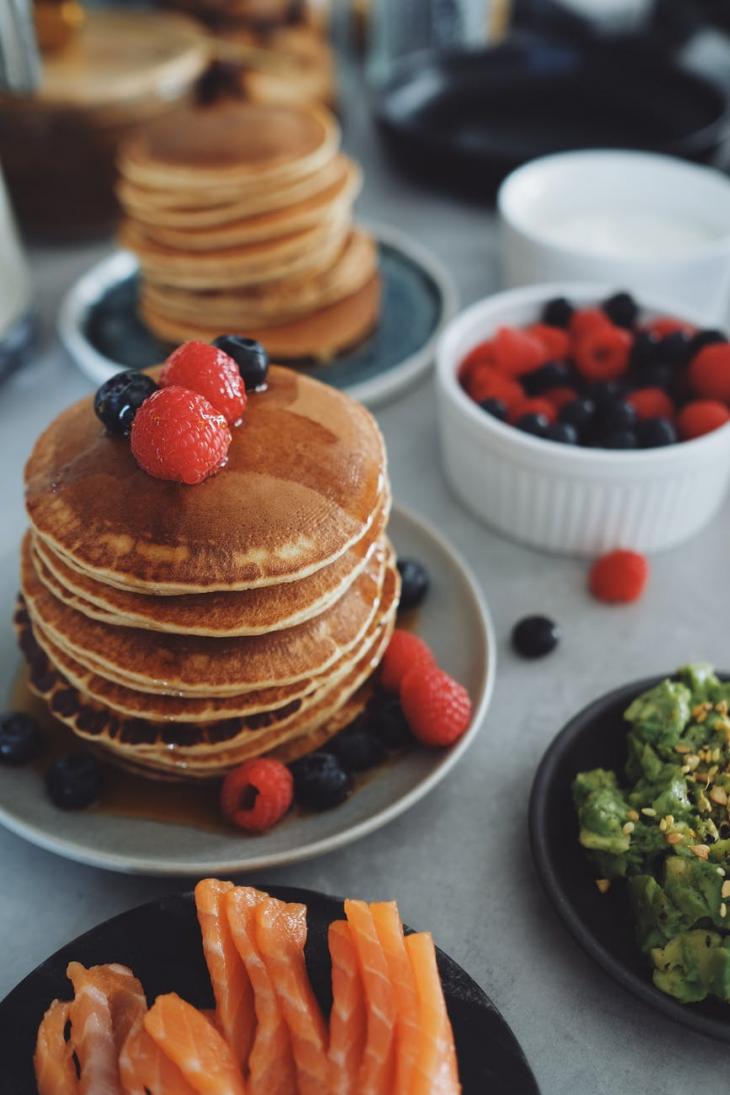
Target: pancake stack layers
column 241, row 218
column 182, row 630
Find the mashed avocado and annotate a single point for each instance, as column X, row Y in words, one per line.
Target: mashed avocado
column 665, row 828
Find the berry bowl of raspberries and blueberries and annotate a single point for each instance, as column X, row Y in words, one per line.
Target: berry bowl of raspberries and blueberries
column 577, row 418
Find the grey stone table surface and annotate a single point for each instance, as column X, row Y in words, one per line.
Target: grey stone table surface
column 458, row 862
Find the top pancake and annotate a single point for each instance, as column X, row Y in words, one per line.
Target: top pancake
column 305, row 479
column 243, row 143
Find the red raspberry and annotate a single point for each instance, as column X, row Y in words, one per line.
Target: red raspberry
column 667, row 325
column 405, row 650
column 702, row 416
column 483, row 354
column 554, row 339
column 257, row 794
column 437, row 708
column 178, row 435
column 516, row 352
column 585, row 321
column 560, row 396
column 619, row 576
column 709, row 372
column 534, row 406
column 651, row 403
column 205, row 369
column 485, row 382
column 603, row 353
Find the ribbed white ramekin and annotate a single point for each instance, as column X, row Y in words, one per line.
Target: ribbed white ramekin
column 563, row 498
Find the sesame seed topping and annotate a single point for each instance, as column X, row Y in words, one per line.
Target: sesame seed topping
column 725, row 891
column 603, row 885
column 723, row 910
column 702, row 851
column 673, row 838
column 628, row 827
column 648, row 811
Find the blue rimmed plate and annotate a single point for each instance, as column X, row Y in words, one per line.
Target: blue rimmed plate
column 100, row 328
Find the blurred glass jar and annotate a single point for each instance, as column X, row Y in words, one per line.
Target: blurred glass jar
column 16, row 295
column 396, row 29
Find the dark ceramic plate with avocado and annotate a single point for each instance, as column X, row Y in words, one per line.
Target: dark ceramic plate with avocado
column 153, row 938
column 602, row 924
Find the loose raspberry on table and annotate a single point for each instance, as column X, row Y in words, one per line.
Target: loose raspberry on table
column 177, row 434
column 405, row 650
column 211, row 372
column 256, row 795
column 619, row 577
column 437, row 708
column 700, row 417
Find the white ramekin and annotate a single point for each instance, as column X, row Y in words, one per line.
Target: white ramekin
column 563, row 498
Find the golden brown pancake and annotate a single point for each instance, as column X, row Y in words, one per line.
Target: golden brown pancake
column 331, row 203
column 308, row 250
column 231, row 144
column 196, row 208
column 273, row 303
column 194, row 665
column 316, row 337
column 305, row 480
column 247, row 612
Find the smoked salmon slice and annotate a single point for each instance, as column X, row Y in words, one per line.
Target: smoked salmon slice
column 376, row 1071
column 348, row 1022
column 55, row 1071
column 281, row 932
column 108, row 1000
column 389, row 927
column 145, row 1070
column 434, row 1070
column 235, row 1016
column 195, row 1046
column 271, row 1069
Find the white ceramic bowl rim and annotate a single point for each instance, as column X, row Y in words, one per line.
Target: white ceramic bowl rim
column 483, row 317
column 512, row 210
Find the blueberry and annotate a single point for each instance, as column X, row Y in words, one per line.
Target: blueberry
column 119, row 398
column 644, row 350
column 320, row 782
column 621, row 309
column 415, row 580
column 656, row 432
column 561, row 432
column 386, row 719
column 657, row 374
column 603, row 392
column 20, row 738
column 706, row 337
column 615, row 415
column 579, row 413
column 620, row 439
column 251, row 358
column 356, row 748
column 74, row 781
column 495, row 407
column 535, row 636
column 535, row 424
column 553, row 374
column 557, row 312
column 674, row 349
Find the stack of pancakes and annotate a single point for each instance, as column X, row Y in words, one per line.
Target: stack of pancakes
column 183, row 630
column 241, row 217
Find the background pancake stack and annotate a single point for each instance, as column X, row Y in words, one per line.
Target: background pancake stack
column 183, row 630
column 241, row 217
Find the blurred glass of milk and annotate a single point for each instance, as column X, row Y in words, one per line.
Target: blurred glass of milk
column 19, row 71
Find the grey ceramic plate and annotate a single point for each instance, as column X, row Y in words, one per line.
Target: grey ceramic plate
column 453, row 620
column 100, row 328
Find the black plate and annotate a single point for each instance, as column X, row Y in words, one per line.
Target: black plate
column 601, row 923
column 469, row 118
column 161, row 943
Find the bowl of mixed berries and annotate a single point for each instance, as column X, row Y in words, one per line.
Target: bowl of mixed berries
column 579, row 419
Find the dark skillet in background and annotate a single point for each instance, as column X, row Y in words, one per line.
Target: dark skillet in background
column 161, row 943
column 601, row 923
column 467, row 118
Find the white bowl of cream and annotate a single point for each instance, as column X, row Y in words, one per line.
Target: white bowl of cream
column 651, row 224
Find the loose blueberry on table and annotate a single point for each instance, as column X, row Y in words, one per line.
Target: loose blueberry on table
column 603, row 377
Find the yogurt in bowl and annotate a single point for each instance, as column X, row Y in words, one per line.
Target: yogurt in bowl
column 654, row 224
